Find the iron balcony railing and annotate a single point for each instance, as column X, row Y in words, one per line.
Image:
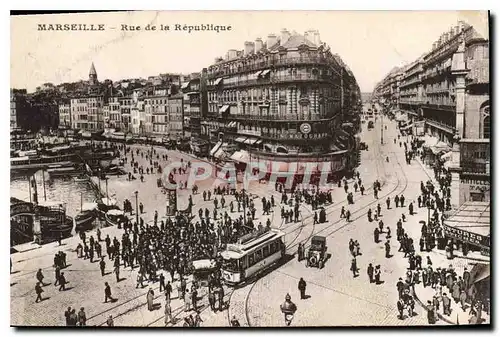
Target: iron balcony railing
column 281, row 118
column 449, row 127
column 285, row 61
column 446, row 107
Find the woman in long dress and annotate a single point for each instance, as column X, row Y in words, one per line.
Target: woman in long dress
column 150, row 298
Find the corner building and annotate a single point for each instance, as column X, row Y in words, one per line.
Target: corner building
column 284, row 101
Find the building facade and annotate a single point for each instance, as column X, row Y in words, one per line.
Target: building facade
column 19, row 108
column 65, row 114
column 446, row 93
column 282, row 100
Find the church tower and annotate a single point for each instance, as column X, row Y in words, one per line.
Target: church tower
column 92, row 74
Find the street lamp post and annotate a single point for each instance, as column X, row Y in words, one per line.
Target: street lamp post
column 244, row 208
column 382, row 128
column 107, row 195
column 136, row 207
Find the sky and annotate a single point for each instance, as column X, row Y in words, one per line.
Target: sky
column 371, row 43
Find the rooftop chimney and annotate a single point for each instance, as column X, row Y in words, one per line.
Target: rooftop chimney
column 258, row 44
column 309, row 35
column 271, row 40
column 317, row 40
column 285, row 35
column 232, row 54
column 249, row 48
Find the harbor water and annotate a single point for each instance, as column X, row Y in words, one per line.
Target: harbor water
column 60, row 189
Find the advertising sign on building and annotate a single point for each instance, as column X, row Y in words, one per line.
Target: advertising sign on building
column 472, row 238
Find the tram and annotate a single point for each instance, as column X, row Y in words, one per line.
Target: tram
column 252, row 254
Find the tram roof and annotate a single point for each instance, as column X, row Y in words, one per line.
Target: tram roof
column 238, row 250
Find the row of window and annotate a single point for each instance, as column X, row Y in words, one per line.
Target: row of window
column 261, row 254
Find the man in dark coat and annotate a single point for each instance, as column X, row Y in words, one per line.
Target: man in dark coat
column 302, row 288
column 39, row 291
column 400, row 285
column 387, row 249
column 102, row 265
column 107, row 293
column 446, row 305
column 62, row 282
column 370, row 271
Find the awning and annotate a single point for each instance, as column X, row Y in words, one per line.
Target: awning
column 232, row 124
column 184, row 85
column 224, row 108
column 217, row 81
column 265, row 72
column 430, row 141
column 241, row 156
column 258, row 142
column 215, row 148
column 470, row 223
column 447, row 155
column 479, row 272
column 259, row 73
column 219, row 154
column 240, row 139
column 251, row 140
column 406, row 127
column 442, row 146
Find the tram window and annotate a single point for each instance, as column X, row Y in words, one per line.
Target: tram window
column 258, row 255
column 251, row 260
column 243, row 262
column 266, row 251
column 274, row 247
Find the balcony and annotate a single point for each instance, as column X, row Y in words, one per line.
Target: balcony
column 442, row 126
column 276, row 118
column 286, row 61
column 281, row 79
column 445, row 107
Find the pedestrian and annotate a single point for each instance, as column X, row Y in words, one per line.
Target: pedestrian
column 62, row 282
column 400, row 286
column 300, row 252
column 370, row 271
column 102, row 265
column 168, row 313
column 67, row 316
column 187, row 301
column 197, row 319
column 162, row 282
column 150, row 298
column 235, row 322
column 463, row 299
column 168, row 291
column 40, row 277
column 446, row 305
column 302, row 288
column 107, row 293
column 401, row 307
column 39, row 291
column 377, row 274
column 354, row 267
column 82, row 317
column 431, row 313
column 110, row 321
column 211, row 300
column 388, row 249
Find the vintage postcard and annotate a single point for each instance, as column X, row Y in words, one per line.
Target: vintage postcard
column 250, row 169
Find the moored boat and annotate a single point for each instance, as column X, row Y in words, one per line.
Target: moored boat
column 115, row 217
column 85, row 219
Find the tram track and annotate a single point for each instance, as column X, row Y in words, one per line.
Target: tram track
column 362, row 211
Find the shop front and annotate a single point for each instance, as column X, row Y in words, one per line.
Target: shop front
column 469, row 228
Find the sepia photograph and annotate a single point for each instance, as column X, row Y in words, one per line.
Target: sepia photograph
column 253, row 169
